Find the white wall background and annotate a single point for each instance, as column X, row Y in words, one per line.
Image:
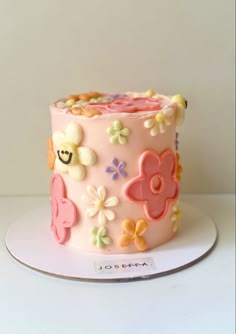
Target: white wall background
column 50, row 48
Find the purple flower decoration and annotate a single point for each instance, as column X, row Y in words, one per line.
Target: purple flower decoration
column 116, row 96
column 117, row 169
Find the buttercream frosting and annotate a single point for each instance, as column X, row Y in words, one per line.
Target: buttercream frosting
column 127, row 142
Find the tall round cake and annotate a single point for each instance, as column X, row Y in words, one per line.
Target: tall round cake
column 116, row 170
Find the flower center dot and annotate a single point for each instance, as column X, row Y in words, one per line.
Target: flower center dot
column 156, row 184
column 99, row 204
column 160, row 118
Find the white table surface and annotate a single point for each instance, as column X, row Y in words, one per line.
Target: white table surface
column 198, row 300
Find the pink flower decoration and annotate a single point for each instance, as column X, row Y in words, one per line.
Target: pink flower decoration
column 64, row 212
column 128, row 104
column 156, row 186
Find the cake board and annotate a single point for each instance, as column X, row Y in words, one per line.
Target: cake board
column 30, row 242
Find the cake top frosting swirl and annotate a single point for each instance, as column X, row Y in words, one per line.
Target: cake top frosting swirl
column 94, row 103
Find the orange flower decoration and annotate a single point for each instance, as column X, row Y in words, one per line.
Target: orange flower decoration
column 76, row 110
column 179, row 170
column 134, row 232
column 90, row 95
column 74, row 97
column 84, row 96
column 51, row 154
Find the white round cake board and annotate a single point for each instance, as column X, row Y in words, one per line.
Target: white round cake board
column 29, row 241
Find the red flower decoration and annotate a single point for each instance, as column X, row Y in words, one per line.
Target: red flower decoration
column 156, row 186
column 64, row 212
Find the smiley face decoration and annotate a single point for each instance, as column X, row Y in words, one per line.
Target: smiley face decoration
column 67, row 153
column 72, row 158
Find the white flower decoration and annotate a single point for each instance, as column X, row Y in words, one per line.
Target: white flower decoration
column 71, row 158
column 175, row 217
column 99, row 204
column 159, row 123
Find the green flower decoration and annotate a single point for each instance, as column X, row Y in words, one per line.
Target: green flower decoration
column 99, row 237
column 117, row 133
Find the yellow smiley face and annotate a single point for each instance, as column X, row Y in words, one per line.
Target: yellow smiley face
column 67, row 154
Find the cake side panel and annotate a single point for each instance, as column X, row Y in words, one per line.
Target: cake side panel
column 117, row 164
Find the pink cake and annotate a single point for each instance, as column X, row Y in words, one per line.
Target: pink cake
column 115, row 185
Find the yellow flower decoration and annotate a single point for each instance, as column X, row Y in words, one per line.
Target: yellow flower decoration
column 181, row 107
column 71, row 158
column 150, row 93
column 175, row 217
column 134, row 232
column 159, row 123
column 179, row 170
